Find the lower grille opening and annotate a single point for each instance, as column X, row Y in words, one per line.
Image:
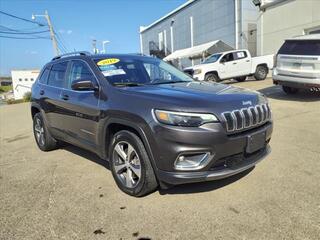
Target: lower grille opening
column 235, row 160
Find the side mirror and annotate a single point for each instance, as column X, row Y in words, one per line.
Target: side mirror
column 83, row 85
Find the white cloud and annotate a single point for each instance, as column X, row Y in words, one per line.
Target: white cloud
column 31, row 52
column 63, row 31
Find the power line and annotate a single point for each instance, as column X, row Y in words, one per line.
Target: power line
column 22, row 33
column 23, row 19
column 61, row 41
column 36, row 37
column 5, row 28
column 19, row 30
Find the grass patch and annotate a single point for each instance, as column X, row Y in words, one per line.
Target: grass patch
column 5, row 88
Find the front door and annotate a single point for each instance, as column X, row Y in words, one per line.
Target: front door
column 227, row 66
column 81, row 108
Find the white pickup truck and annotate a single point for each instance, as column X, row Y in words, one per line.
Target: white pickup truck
column 236, row 64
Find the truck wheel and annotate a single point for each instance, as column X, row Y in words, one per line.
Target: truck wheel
column 289, row 90
column 130, row 165
column 42, row 136
column 212, row 77
column 261, row 73
column 241, row 79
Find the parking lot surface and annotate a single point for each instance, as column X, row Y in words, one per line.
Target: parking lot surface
column 70, row 194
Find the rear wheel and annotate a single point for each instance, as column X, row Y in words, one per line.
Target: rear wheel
column 241, row 79
column 130, row 165
column 42, row 136
column 261, row 73
column 289, row 90
column 212, row 77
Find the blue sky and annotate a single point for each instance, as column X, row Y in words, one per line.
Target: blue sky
column 77, row 21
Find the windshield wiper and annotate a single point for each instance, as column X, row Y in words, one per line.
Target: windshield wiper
column 127, row 84
column 168, row 82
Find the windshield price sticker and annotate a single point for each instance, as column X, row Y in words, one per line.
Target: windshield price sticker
column 108, row 61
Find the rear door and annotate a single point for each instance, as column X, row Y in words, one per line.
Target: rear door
column 52, row 98
column 242, row 64
column 81, row 108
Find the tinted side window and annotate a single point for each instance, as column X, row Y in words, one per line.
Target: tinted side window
column 79, row 70
column 44, row 76
column 57, row 75
column 228, row 57
column 300, row 47
column 239, row 55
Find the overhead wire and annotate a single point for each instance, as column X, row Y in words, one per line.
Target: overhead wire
column 61, row 43
column 36, row 37
column 23, row 33
column 23, row 19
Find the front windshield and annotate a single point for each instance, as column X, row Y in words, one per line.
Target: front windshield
column 213, row 58
column 139, row 71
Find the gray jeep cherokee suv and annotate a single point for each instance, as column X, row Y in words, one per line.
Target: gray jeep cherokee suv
column 153, row 123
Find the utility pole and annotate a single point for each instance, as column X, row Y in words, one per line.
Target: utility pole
column 52, row 34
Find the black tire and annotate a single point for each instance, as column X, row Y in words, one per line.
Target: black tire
column 290, row 90
column 241, row 79
column 147, row 181
column 261, row 73
column 47, row 143
column 212, row 77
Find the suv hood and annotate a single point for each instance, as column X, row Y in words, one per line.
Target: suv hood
column 197, row 95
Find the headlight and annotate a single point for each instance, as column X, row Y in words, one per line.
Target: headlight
column 184, row 119
column 197, row 71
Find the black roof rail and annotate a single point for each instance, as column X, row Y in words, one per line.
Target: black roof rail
column 82, row 53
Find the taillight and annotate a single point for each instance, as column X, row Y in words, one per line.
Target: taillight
column 275, row 60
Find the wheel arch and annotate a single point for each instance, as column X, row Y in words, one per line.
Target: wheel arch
column 113, row 125
column 212, row 72
column 35, row 108
column 263, row 65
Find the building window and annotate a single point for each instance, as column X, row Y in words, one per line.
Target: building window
column 160, row 41
column 31, row 79
column 20, row 79
column 26, row 79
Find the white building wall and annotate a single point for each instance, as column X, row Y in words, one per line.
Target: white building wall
column 281, row 19
column 22, row 81
column 210, row 20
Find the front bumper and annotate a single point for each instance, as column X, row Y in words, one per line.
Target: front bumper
column 176, row 178
column 172, row 141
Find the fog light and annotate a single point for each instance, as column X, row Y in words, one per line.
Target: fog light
column 193, row 161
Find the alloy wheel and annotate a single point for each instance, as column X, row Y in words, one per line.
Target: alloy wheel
column 126, row 164
column 39, row 132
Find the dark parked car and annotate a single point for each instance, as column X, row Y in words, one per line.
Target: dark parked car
column 153, row 123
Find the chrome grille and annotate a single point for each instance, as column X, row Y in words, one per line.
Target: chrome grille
column 246, row 117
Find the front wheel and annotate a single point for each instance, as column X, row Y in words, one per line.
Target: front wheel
column 212, row 77
column 130, row 165
column 261, row 73
column 290, row 90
